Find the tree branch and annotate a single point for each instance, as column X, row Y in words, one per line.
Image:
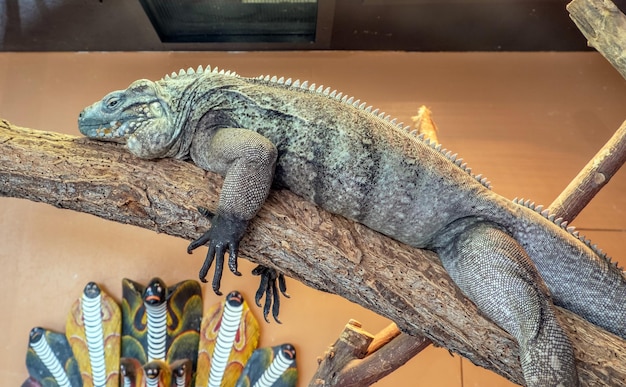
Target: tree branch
column 324, row 251
column 359, row 359
column 590, row 180
column 604, row 26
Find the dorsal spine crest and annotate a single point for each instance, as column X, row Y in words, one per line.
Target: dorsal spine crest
column 199, row 70
column 349, row 100
column 564, row 224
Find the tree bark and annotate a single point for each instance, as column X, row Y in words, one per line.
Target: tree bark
column 359, row 359
column 327, row 252
column 604, row 26
column 590, row 180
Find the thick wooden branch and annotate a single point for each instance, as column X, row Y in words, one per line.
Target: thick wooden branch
column 604, row 26
column 324, row 251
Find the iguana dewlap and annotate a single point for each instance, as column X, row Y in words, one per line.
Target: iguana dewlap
column 508, row 257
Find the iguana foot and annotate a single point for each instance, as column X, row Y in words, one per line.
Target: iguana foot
column 268, row 286
column 223, row 236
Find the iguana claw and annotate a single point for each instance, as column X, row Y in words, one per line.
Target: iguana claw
column 224, row 235
column 268, row 286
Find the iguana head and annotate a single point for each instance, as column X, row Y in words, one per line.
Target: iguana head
column 139, row 116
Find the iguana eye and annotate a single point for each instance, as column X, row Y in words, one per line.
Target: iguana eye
column 112, row 103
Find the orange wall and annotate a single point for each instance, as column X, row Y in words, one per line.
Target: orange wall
column 528, row 121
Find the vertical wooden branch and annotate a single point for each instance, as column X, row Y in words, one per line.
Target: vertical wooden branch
column 604, row 26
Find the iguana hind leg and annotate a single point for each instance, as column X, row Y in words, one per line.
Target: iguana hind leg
column 268, row 286
column 497, row 274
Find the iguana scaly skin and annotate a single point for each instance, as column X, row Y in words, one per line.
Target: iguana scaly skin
column 508, row 257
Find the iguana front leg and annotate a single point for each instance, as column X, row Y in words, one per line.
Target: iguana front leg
column 497, row 274
column 247, row 161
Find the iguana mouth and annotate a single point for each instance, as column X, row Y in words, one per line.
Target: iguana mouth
column 112, row 130
column 98, row 124
column 115, row 129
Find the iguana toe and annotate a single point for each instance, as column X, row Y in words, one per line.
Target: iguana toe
column 208, row 261
column 232, row 259
column 219, row 268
